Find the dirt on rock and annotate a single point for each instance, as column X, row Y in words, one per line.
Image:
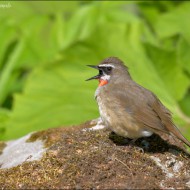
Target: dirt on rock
column 78, row 158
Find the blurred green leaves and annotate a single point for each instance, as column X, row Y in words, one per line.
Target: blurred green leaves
column 44, row 53
column 52, row 98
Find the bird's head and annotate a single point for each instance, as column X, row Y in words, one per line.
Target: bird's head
column 109, row 69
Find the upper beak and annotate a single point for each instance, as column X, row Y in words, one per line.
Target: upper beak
column 93, row 66
column 95, row 77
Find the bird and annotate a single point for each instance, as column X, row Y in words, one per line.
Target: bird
column 127, row 108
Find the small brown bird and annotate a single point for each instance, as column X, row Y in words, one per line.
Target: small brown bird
column 126, row 107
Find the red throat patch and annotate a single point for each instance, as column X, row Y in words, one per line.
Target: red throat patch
column 102, row 82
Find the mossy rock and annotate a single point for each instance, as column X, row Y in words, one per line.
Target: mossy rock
column 82, row 157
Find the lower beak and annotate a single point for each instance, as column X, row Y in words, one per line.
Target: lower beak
column 95, row 77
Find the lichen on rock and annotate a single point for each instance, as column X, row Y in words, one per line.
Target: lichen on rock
column 16, row 152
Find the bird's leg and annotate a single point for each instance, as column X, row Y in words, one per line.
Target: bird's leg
column 133, row 145
column 145, row 144
column 132, row 142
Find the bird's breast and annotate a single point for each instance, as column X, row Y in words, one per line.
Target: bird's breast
column 118, row 119
column 104, row 110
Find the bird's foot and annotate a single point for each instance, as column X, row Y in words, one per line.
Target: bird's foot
column 133, row 145
column 139, row 149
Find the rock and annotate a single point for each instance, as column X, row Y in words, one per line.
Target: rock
column 91, row 156
column 17, row 151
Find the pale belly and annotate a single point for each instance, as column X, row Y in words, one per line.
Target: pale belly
column 121, row 123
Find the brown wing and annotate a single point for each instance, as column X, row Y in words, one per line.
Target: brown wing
column 165, row 116
column 138, row 102
column 154, row 115
column 150, row 115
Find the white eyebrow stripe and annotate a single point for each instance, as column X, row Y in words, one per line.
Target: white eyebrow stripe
column 106, row 65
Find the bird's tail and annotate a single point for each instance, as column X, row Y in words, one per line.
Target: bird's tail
column 176, row 132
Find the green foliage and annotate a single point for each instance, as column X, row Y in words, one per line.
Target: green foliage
column 45, row 49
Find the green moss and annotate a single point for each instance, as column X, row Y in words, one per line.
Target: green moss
column 49, row 136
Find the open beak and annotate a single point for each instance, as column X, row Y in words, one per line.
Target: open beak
column 95, row 77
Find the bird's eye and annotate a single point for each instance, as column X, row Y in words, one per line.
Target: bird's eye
column 109, row 68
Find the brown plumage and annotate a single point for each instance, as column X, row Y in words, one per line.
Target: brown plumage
column 129, row 109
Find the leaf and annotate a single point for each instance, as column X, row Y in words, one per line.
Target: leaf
column 4, row 118
column 169, row 70
column 44, row 46
column 53, row 97
column 21, row 10
column 183, row 54
column 185, row 104
column 174, row 22
column 81, row 25
column 49, row 7
column 117, row 15
column 7, row 36
column 8, row 69
column 16, row 12
column 40, row 30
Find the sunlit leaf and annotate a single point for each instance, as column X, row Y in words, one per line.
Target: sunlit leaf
column 174, row 22
column 169, row 70
column 53, row 97
column 184, row 55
